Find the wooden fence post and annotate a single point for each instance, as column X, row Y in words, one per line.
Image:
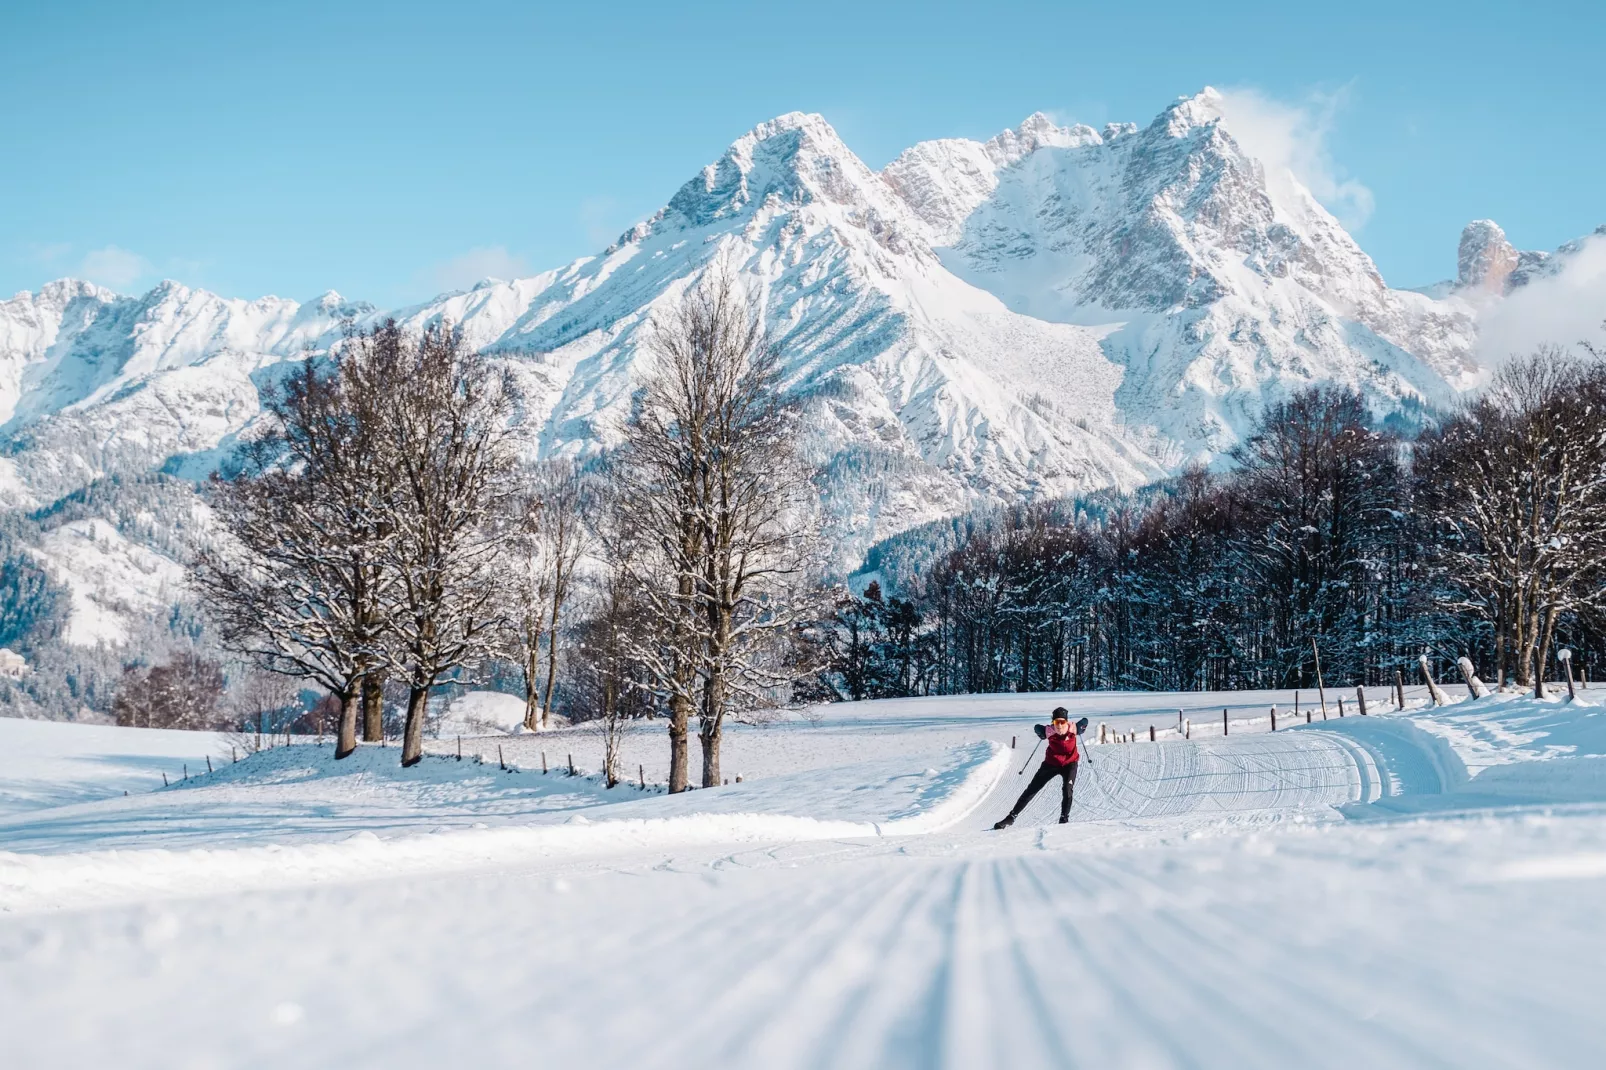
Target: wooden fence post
column 1360, row 698
column 1321, row 692
column 1399, row 689
column 164, row 779
column 1011, row 742
column 641, row 771
column 1223, row 722
column 543, row 763
column 1274, row 718
column 571, row 765
column 1151, row 733
column 1433, row 688
column 1341, row 705
column 459, row 748
column 499, row 760
column 1187, row 729
column 208, row 765
column 1565, row 656
column 1307, row 717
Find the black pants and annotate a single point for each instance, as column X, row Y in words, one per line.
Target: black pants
column 1044, row 774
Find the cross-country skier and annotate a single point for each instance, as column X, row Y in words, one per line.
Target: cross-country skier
column 1060, row 761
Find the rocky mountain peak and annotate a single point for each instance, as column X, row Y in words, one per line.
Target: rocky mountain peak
column 1485, row 259
column 796, row 157
column 1190, row 113
column 1037, row 132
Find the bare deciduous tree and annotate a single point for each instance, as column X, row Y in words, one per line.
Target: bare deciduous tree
column 453, row 485
column 551, row 538
column 609, row 688
column 183, row 692
column 295, row 583
column 711, row 502
column 1517, row 483
column 526, row 614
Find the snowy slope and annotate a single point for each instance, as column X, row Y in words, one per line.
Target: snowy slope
column 1208, row 905
column 46, row 764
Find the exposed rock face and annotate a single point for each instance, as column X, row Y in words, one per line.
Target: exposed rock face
column 1485, row 259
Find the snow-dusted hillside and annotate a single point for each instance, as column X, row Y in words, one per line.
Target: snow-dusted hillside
column 1052, row 311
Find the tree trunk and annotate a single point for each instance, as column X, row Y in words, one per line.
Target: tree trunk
column 413, row 735
column 373, row 707
column 1500, row 645
column 679, row 718
column 1524, row 637
column 610, row 735
column 551, row 667
column 347, row 741
column 709, row 736
column 709, row 731
column 532, row 694
column 1546, row 634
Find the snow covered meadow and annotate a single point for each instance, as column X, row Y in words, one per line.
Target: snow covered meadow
column 1412, row 888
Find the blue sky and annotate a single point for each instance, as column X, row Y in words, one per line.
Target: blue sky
column 392, row 150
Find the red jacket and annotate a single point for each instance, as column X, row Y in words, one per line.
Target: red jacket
column 1061, row 749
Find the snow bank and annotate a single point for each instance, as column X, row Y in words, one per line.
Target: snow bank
column 925, row 801
column 1508, row 729
column 1497, row 750
column 884, row 797
column 482, row 713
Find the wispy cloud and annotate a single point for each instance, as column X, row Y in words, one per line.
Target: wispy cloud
column 115, row 267
column 1561, row 309
column 486, row 262
column 1292, row 139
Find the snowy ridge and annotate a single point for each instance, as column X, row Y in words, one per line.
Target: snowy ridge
column 1052, row 311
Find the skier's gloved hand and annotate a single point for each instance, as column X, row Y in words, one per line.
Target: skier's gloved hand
column 1041, row 730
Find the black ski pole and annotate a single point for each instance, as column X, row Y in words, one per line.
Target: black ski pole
column 1029, row 758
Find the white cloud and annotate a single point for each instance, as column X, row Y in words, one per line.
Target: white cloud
column 486, row 262
column 1291, row 139
column 1561, row 309
column 114, row 267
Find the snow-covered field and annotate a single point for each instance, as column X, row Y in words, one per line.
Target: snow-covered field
column 1406, row 889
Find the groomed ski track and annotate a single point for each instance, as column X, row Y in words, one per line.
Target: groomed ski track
column 1207, row 906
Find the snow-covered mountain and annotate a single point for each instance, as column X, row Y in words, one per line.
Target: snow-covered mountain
column 1052, row 311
